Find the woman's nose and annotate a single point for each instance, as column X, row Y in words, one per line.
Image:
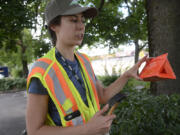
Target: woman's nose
column 80, row 25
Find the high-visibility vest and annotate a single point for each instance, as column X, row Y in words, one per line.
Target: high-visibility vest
column 62, row 90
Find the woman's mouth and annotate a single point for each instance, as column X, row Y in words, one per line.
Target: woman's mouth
column 80, row 36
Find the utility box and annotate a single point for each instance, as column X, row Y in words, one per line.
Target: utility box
column 4, row 71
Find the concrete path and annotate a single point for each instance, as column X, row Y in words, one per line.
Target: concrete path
column 12, row 113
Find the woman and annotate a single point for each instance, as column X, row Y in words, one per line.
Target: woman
column 64, row 94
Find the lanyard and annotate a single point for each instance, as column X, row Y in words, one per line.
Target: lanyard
column 74, row 73
column 71, row 69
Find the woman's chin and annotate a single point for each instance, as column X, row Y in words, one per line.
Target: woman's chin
column 78, row 43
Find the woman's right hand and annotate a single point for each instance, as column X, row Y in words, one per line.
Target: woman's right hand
column 100, row 123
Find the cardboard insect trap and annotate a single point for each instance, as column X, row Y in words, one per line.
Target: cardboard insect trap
column 157, row 69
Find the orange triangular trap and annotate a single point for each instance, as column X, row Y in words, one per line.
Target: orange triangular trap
column 157, row 69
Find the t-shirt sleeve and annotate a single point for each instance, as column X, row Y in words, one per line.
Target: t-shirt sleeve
column 36, row 87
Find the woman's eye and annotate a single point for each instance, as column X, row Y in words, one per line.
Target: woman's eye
column 74, row 20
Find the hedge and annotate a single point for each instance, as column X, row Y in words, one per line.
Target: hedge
column 7, row 84
column 142, row 113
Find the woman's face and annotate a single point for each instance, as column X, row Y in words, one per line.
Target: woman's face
column 71, row 30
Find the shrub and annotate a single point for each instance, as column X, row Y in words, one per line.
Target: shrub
column 106, row 80
column 12, row 84
column 144, row 114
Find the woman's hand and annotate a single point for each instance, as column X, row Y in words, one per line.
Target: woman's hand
column 133, row 72
column 100, row 123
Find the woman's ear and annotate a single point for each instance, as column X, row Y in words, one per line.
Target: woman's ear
column 53, row 28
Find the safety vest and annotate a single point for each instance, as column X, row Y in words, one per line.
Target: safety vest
column 62, row 90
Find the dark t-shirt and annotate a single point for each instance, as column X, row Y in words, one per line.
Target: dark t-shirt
column 36, row 87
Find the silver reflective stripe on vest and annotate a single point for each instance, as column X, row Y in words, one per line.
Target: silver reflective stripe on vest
column 58, row 89
column 77, row 121
column 59, row 93
column 88, row 67
column 40, row 64
column 61, row 96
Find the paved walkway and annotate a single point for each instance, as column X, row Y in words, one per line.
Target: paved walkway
column 12, row 113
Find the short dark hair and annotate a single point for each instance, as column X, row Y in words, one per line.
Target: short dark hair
column 53, row 22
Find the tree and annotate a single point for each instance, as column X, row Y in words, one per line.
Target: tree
column 137, row 24
column 27, row 50
column 23, row 15
column 15, row 15
column 112, row 29
column 163, row 28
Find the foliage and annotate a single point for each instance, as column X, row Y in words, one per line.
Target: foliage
column 18, row 48
column 132, row 83
column 112, row 27
column 144, row 114
column 106, row 80
column 12, row 84
column 33, row 49
column 22, row 15
column 137, row 20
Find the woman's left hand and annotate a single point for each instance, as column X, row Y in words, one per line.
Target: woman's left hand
column 133, row 71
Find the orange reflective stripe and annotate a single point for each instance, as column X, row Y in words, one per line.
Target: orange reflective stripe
column 48, row 61
column 58, row 88
column 39, row 66
column 92, row 84
column 89, row 64
column 35, row 70
column 65, row 86
column 51, row 87
column 67, row 91
column 63, row 91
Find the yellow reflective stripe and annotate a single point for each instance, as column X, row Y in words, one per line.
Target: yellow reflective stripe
column 91, row 91
column 67, row 106
column 51, row 92
column 56, row 90
column 49, row 120
column 90, row 73
column 88, row 67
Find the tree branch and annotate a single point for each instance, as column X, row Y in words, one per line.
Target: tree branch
column 129, row 11
column 101, row 5
column 145, row 44
column 99, row 10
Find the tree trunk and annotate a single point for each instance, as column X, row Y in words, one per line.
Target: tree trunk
column 25, row 68
column 164, row 30
column 136, row 51
column 23, row 59
column 24, row 62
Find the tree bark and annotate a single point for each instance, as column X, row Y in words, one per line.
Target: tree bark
column 23, row 59
column 136, row 51
column 24, row 62
column 163, row 34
